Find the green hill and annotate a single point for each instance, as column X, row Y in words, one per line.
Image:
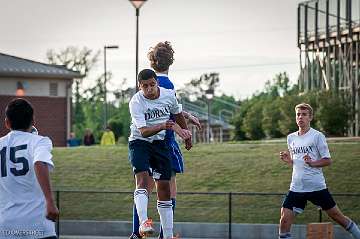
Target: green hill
column 232, row 167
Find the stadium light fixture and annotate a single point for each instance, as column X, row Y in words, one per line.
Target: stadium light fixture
column 105, row 82
column 209, row 94
column 137, row 4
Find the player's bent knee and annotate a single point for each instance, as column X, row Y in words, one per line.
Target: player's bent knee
column 286, row 216
column 284, row 220
column 163, row 187
column 333, row 212
column 143, row 180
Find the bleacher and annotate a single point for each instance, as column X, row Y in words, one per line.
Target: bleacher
column 220, row 127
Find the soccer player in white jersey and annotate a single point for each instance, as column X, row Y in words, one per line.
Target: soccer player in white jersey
column 308, row 153
column 27, row 209
column 150, row 110
column 161, row 57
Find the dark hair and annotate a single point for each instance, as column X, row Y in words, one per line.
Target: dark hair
column 161, row 56
column 20, row 114
column 146, row 74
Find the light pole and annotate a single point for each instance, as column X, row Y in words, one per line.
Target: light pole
column 137, row 4
column 105, row 81
column 209, row 93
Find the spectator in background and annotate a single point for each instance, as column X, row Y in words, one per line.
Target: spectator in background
column 73, row 141
column 88, row 138
column 108, row 137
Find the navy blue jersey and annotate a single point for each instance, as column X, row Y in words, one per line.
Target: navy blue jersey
column 165, row 82
column 177, row 162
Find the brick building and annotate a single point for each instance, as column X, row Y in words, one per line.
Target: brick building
column 47, row 87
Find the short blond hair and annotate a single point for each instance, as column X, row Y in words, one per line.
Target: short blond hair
column 305, row 106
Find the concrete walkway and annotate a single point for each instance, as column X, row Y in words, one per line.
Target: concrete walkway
column 97, row 237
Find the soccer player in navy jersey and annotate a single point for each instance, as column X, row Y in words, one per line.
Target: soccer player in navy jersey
column 161, row 57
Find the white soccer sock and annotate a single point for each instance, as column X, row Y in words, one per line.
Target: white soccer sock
column 353, row 229
column 141, row 202
column 285, row 235
column 166, row 218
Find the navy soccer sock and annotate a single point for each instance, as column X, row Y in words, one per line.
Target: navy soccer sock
column 136, row 223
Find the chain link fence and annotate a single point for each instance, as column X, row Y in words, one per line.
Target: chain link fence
column 210, row 207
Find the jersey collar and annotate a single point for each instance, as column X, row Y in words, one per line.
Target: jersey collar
column 161, row 74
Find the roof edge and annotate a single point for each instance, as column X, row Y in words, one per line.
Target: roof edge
column 48, row 65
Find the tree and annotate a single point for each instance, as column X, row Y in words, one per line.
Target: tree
column 271, row 119
column 123, row 95
column 81, row 60
column 238, row 120
column 287, row 122
column 252, row 123
column 270, row 112
column 279, row 86
column 73, row 58
column 94, row 108
column 120, row 122
column 333, row 114
column 198, row 86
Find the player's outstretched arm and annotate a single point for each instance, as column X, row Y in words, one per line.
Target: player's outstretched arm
column 148, row 131
column 183, row 133
column 180, row 120
column 188, row 144
column 194, row 120
column 286, row 157
column 42, row 175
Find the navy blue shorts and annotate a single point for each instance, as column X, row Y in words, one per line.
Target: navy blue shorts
column 152, row 157
column 297, row 201
column 177, row 163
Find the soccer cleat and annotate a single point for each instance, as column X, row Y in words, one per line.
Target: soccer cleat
column 134, row 236
column 146, row 228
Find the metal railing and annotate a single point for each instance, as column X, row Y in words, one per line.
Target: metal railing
column 325, row 16
column 214, row 207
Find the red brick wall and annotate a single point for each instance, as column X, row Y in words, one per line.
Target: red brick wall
column 50, row 116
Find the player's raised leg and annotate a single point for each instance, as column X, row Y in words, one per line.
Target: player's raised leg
column 139, row 157
column 136, row 223
column 344, row 221
column 141, row 199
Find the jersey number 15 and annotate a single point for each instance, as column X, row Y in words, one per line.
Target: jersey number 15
column 15, row 160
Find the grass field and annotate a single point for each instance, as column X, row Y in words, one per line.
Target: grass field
column 231, row 167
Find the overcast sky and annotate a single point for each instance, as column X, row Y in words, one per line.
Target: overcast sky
column 247, row 42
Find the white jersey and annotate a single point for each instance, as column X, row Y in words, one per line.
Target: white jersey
column 146, row 112
column 304, row 177
column 22, row 202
